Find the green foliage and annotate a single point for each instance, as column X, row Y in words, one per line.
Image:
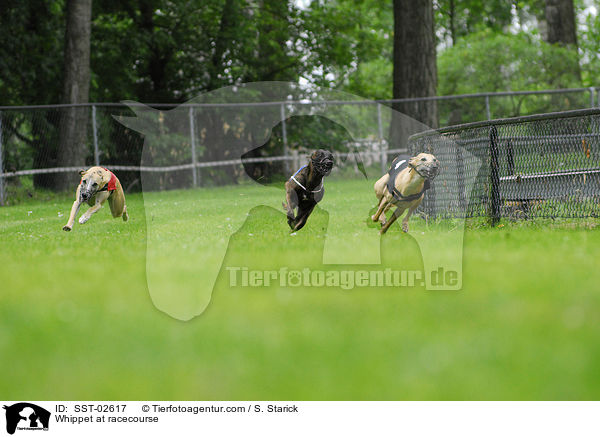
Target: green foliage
column 494, row 62
column 458, row 18
column 488, row 61
column 372, row 79
column 589, row 44
column 31, row 36
column 170, row 51
column 346, row 40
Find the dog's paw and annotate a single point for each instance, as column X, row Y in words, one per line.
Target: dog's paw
column 83, row 219
column 67, row 228
column 405, row 227
column 370, row 223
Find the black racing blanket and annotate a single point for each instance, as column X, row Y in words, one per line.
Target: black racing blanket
column 398, row 164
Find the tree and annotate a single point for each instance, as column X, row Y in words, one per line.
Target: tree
column 561, row 28
column 415, row 71
column 32, row 34
column 560, row 19
column 76, row 82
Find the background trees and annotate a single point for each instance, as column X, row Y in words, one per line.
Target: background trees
column 76, row 85
column 171, row 50
column 168, row 51
column 415, row 69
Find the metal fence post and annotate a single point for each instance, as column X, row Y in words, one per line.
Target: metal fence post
column 382, row 150
column 592, row 95
column 1, row 166
column 494, row 179
column 193, row 143
column 460, row 181
column 487, row 107
column 285, row 141
column 510, row 158
column 95, row 131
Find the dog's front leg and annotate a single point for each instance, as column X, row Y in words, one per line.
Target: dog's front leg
column 74, row 211
column 100, row 199
column 292, row 202
column 303, row 217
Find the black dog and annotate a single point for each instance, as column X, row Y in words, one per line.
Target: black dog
column 305, row 188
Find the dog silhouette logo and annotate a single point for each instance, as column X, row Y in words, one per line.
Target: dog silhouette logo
column 237, row 126
column 26, row 416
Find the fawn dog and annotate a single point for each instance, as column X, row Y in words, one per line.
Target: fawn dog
column 96, row 187
column 404, row 186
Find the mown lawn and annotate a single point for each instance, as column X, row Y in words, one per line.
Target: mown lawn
column 77, row 320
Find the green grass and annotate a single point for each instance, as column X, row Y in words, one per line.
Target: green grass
column 77, row 320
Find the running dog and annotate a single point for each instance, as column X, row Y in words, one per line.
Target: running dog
column 305, row 188
column 98, row 185
column 404, row 186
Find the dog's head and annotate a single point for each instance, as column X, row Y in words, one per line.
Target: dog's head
column 91, row 181
column 322, row 161
column 425, row 164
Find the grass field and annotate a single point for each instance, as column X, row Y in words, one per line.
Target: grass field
column 77, row 320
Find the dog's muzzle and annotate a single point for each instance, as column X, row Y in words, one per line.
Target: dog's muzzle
column 324, row 167
column 429, row 172
column 85, row 196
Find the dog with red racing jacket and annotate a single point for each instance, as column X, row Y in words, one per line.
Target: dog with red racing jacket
column 98, row 185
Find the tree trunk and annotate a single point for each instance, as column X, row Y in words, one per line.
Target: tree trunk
column 561, row 28
column 452, row 16
column 560, row 18
column 73, row 149
column 415, row 71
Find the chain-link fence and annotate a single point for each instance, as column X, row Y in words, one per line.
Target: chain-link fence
column 29, row 138
column 545, row 165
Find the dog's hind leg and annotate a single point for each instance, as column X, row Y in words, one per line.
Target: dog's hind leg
column 116, row 201
column 407, row 216
column 392, row 219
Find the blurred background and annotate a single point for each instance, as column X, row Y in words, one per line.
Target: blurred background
column 439, row 62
